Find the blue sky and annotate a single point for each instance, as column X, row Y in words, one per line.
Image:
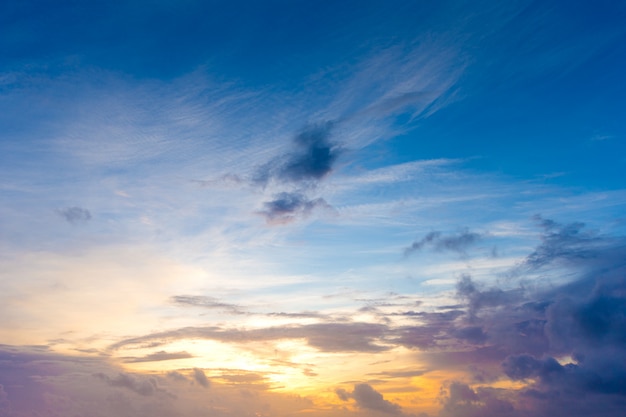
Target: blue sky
column 328, row 208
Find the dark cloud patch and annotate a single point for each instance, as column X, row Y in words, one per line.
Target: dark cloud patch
column 368, row 398
column 75, row 215
column 472, row 334
column 200, row 377
column 160, row 356
column 458, row 242
column 311, row 160
column 289, row 206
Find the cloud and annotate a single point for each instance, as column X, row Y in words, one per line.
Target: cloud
column 566, row 341
column 141, row 386
column 200, row 377
column 160, row 356
column 75, row 214
column 458, row 242
column 214, row 303
column 37, row 382
column 311, row 160
column 562, row 242
column 461, row 400
column 206, row 302
column 368, row 398
column 287, row 207
column 327, row 337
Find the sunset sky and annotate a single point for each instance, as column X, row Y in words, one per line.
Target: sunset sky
column 312, row 208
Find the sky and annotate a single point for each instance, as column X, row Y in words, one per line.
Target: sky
column 312, row 208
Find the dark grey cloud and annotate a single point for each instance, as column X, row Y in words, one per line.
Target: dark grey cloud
column 472, row 334
column 368, row 398
column 289, row 206
column 75, row 215
column 200, row 377
column 312, row 159
column 160, row 356
column 458, row 242
column 567, row 340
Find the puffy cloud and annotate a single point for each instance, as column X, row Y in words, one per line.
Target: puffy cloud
column 368, row 398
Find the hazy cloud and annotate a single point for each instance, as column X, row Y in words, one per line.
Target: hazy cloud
column 200, row 377
column 75, row 214
column 142, row 386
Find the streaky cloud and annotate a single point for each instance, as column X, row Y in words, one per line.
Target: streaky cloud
column 458, row 242
column 327, row 337
column 160, row 356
